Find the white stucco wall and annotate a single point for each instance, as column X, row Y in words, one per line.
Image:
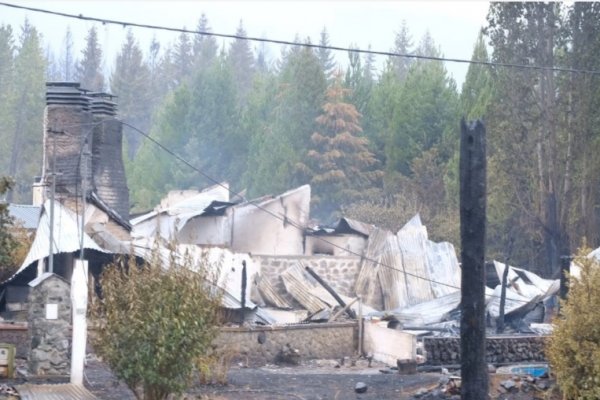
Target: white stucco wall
column 208, row 231
column 388, row 345
column 257, row 231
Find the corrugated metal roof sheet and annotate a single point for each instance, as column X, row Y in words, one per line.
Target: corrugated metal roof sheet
column 407, row 268
column 300, row 288
column 65, row 391
column 269, row 294
column 222, row 262
column 180, row 212
column 27, row 215
column 66, row 236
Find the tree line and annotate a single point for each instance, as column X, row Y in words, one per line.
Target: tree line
column 376, row 145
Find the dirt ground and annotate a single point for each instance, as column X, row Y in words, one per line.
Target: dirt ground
column 312, row 380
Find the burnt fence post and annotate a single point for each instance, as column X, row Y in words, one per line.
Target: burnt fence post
column 472, row 167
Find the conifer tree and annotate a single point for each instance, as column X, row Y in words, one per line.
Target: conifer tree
column 241, row 59
column 89, row 70
column 326, row 58
column 26, row 107
column 130, row 81
column 340, row 165
column 204, row 46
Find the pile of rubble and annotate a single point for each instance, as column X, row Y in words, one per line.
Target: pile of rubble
column 506, row 387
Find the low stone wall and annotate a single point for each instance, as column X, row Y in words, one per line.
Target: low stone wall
column 339, row 272
column 328, row 340
column 15, row 334
column 499, row 349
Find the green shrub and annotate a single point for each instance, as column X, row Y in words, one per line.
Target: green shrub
column 574, row 347
column 155, row 321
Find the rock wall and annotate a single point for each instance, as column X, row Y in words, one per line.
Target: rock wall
column 49, row 339
column 339, row 272
column 262, row 345
column 500, row 350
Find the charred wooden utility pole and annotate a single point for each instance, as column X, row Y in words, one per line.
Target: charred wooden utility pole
column 474, row 371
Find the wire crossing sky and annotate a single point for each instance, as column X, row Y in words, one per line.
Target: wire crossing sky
column 294, row 43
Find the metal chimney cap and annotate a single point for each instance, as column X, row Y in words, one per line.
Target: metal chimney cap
column 64, row 84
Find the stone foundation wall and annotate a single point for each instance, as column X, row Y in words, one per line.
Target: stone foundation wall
column 17, row 335
column 339, row 272
column 328, row 340
column 49, row 338
column 500, row 350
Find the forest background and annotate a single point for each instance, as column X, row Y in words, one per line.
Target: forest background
column 376, row 144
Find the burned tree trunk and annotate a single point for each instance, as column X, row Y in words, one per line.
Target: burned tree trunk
column 472, row 233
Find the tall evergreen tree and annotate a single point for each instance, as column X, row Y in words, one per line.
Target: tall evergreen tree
column 8, row 91
column 241, row 59
column 339, row 164
column 527, row 134
column 26, row 107
column 130, row 82
column 325, row 56
column 205, row 46
column 182, row 59
column 200, row 122
column 89, row 69
column 277, row 150
column 402, row 45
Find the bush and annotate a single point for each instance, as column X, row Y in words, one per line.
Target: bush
column 155, row 321
column 574, row 347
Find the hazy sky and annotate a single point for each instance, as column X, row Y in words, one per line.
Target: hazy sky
column 454, row 25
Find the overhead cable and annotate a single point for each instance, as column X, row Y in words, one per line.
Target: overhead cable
column 309, row 45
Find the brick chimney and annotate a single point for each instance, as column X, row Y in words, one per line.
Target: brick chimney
column 108, row 170
column 83, row 140
column 67, row 122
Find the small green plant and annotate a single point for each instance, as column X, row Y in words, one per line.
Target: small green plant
column 574, row 347
column 155, row 320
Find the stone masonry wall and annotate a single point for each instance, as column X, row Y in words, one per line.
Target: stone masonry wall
column 50, row 339
column 339, row 272
column 330, row 340
column 500, row 350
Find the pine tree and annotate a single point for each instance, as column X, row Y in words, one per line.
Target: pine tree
column 26, row 106
column 402, row 45
column 282, row 144
column 205, row 46
column 241, row 59
column 325, row 56
column 340, row 165
column 89, row 69
column 182, row 60
column 7, row 93
column 130, row 82
column 527, row 131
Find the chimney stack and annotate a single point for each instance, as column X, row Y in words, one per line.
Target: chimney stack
column 83, row 144
column 67, row 125
column 108, row 170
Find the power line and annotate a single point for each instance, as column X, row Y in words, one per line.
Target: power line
column 309, row 45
